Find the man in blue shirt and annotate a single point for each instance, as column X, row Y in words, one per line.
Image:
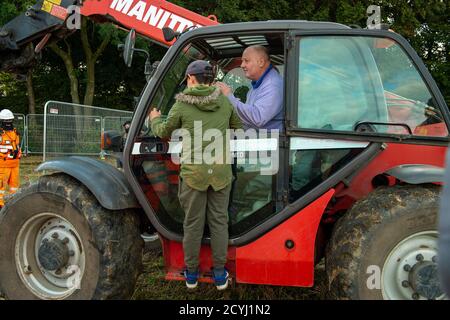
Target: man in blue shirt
column 262, row 110
column 264, row 106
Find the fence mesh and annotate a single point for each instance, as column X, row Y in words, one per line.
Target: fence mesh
column 19, row 124
column 34, row 133
column 73, row 129
column 114, row 123
column 72, row 135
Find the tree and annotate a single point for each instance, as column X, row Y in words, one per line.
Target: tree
column 91, row 57
column 9, row 10
column 105, row 81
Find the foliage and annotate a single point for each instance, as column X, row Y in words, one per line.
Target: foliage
column 425, row 24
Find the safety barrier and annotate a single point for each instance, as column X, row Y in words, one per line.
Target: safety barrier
column 74, row 129
column 19, row 123
column 68, row 129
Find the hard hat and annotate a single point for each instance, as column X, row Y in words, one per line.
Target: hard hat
column 6, row 114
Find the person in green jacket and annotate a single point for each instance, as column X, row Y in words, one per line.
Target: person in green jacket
column 205, row 185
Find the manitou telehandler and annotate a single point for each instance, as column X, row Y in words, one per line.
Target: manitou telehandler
column 355, row 174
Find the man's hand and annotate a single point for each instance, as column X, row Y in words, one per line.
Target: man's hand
column 154, row 114
column 226, row 90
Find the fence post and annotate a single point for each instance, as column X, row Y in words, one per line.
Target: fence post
column 45, row 131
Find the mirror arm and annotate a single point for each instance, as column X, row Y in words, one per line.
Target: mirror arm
column 148, row 69
column 142, row 51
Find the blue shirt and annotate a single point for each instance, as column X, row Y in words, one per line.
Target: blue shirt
column 264, row 106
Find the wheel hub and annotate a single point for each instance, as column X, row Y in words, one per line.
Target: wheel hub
column 50, row 258
column 424, row 280
column 410, row 271
column 53, row 254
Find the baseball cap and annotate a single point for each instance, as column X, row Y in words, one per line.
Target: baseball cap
column 198, row 67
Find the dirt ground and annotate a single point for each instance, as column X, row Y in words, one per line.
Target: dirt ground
column 151, row 283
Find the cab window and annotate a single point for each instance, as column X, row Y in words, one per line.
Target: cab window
column 348, row 81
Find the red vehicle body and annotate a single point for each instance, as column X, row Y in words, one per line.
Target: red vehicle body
column 367, row 175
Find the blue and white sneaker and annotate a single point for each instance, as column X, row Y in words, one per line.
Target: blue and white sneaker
column 191, row 279
column 221, row 278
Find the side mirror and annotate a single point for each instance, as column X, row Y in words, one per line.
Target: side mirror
column 128, row 48
column 112, row 140
column 169, row 34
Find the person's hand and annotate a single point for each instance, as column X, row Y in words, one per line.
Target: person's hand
column 226, row 90
column 154, row 114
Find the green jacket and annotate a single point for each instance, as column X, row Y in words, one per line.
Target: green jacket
column 209, row 109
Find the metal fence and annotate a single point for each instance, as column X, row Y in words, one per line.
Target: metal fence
column 68, row 129
column 74, row 129
column 72, row 135
column 19, row 123
column 34, row 133
column 114, row 123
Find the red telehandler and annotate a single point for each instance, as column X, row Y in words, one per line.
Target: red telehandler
column 354, row 177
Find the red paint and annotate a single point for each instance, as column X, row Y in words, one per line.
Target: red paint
column 394, row 155
column 267, row 260
column 174, row 261
column 165, row 13
column 59, row 12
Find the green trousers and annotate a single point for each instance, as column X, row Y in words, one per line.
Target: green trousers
column 204, row 206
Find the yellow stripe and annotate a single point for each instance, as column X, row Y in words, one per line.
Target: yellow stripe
column 47, row 6
column 57, row 2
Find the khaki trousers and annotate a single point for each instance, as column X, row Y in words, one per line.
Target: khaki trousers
column 204, row 206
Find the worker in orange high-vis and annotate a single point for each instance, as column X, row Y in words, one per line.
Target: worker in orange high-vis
column 10, row 154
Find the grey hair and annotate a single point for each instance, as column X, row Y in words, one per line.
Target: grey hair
column 263, row 51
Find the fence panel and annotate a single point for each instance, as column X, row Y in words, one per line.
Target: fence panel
column 34, row 133
column 72, row 135
column 114, row 123
column 71, row 129
column 19, row 124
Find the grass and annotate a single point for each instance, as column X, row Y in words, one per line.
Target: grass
column 151, row 284
column 27, row 167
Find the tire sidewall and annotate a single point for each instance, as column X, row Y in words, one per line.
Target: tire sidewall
column 386, row 236
column 25, row 207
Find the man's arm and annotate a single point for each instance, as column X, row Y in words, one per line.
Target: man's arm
column 164, row 129
column 267, row 105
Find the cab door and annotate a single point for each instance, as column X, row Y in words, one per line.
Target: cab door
column 351, row 89
column 257, row 193
column 351, row 94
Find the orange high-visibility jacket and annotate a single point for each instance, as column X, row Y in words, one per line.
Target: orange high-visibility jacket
column 9, row 145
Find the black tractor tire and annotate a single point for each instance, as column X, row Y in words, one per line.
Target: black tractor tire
column 366, row 235
column 110, row 240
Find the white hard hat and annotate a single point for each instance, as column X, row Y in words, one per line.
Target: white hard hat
column 6, row 114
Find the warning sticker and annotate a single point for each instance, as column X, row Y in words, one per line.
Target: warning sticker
column 59, row 12
column 53, row 111
column 57, row 2
column 47, row 6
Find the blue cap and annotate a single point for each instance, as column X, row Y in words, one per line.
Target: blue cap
column 199, row 67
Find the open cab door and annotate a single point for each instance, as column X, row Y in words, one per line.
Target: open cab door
column 342, row 91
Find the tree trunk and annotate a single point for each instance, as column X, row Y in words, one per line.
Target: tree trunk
column 30, row 93
column 90, row 83
column 332, row 11
column 91, row 59
column 67, row 58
